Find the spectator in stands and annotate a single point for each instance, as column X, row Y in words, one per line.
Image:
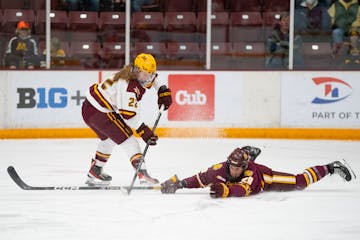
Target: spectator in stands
column 91, row 5
column 345, row 15
column 322, row 3
column 326, row 3
column 119, row 5
column 56, row 52
column 70, row 5
column 137, row 4
column 311, row 18
column 352, row 58
column 81, row 5
column 22, row 49
column 277, row 46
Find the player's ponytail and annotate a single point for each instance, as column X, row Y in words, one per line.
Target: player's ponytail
column 125, row 73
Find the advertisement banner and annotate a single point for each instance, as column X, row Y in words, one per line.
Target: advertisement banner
column 320, row 99
column 53, row 99
column 193, row 96
column 43, row 100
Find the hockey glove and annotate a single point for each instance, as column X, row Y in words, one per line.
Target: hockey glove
column 252, row 151
column 219, row 190
column 146, row 134
column 164, row 97
column 170, row 186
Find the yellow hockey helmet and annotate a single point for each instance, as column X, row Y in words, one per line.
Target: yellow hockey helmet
column 145, row 62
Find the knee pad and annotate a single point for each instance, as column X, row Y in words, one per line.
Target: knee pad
column 106, row 146
column 131, row 146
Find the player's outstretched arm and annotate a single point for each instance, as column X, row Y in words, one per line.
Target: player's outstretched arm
column 171, row 185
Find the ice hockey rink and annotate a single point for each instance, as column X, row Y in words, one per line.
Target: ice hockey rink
column 329, row 209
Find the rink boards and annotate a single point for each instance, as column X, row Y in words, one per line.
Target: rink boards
column 205, row 104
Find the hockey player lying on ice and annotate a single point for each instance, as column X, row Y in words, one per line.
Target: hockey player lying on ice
column 240, row 176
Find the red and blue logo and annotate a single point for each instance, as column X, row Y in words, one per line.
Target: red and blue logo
column 335, row 90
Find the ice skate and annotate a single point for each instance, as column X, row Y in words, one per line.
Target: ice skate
column 145, row 178
column 341, row 169
column 96, row 176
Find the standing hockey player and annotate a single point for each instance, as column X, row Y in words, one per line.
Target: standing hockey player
column 111, row 110
column 240, row 176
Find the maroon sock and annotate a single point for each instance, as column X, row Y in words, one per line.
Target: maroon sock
column 311, row 175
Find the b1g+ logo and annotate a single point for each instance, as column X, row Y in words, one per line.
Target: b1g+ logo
column 46, row 98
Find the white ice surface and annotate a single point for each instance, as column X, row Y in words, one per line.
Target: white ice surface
column 329, row 209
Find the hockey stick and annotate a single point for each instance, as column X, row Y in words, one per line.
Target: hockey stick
column 348, row 166
column 16, row 178
column 144, row 153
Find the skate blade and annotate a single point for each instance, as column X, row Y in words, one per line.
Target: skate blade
column 98, row 183
column 149, row 182
column 350, row 169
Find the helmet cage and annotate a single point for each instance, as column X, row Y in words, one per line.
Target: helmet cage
column 239, row 158
column 148, row 82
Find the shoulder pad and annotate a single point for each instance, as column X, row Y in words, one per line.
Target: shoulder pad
column 217, row 166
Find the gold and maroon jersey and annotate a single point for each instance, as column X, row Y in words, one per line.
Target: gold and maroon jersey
column 250, row 182
column 118, row 96
column 256, row 178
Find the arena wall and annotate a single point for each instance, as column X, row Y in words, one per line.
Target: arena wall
column 262, row 104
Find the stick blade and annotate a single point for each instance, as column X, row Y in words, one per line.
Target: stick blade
column 15, row 177
column 351, row 170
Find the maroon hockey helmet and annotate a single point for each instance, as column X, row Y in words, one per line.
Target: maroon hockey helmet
column 239, row 158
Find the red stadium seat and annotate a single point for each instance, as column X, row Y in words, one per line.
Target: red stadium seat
column 218, row 48
column 244, row 6
column 180, row 21
column 15, row 4
column 148, row 26
column 180, row 26
column 246, row 26
column 114, row 54
column 114, row 48
column 12, row 16
column 147, row 20
column 83, row 26
column 179, row 6
column 185, row 49
column 317, row 55
column 112, row 21
column 219, row 25
column 276, row 5
column 111, row 26
column 157, row 49
column 85, row 54
column 81, row 49
column 83, row 21
column 270, row 20
column 41, row 4
column 221, row 54
column 184, row 55
column 246, row 18
column 250, row 55
column 59, row 21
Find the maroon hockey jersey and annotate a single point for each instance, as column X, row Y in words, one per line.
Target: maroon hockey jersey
column 250, row 182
